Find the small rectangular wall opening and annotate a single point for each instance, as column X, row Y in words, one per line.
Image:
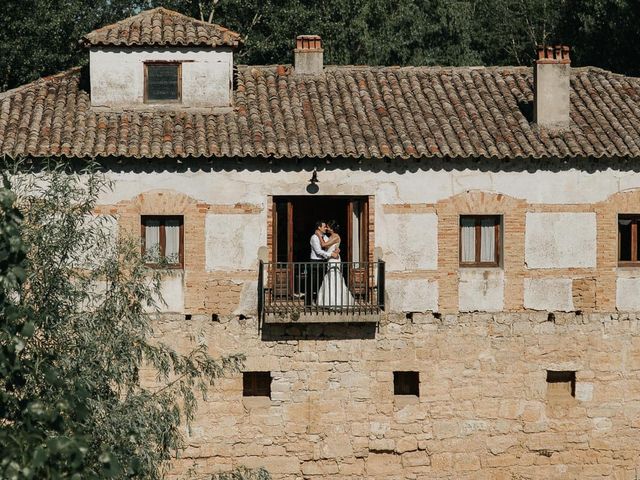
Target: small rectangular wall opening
column 256, row 384
column 561, row 384
column 406, row 383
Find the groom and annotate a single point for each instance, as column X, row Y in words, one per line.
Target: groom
column 318, row 263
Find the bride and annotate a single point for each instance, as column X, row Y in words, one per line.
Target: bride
column 333, row 291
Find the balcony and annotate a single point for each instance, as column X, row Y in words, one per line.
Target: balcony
column 321, row 292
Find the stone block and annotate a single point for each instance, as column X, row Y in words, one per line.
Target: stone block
column 415, row 459
column 379, row 465
column 406, row 444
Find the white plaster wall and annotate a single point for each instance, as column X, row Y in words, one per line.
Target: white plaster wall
column 247, row 184
column 248, row 299
column 628, row 293
column 410, row 241
column 481, row 290
column 560, row 240
column 232, row 241
column 117, row 76
column 172, row 291
column 171, row 297
column 412, row 295
column 555, row 294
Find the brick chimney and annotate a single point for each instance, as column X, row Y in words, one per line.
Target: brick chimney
column 551, row 75
column 308, row 55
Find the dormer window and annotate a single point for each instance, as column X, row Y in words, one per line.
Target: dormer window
column 161, row 58
column 162, row 82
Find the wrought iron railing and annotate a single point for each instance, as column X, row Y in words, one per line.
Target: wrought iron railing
column 321, row 287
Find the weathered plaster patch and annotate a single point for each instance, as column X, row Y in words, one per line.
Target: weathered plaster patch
column 233, row 241
column 172, row 291
column 412, row 295
column 628, row 294
column 248, row 299
column 548, row 294
column 560, row 240
column 410, row 241
column 481, row 290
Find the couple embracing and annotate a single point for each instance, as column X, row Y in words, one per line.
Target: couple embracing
column 325, row 284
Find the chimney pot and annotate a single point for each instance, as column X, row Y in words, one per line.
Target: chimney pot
column 552, row 72
column 308, row 55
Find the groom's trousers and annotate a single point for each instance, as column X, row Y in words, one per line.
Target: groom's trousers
column 313, row 279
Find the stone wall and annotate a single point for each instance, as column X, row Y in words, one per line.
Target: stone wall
column 484, row 409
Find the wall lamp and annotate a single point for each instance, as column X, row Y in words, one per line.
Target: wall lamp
column 313, row 182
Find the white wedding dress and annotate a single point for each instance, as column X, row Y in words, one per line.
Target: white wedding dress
column 333, row 291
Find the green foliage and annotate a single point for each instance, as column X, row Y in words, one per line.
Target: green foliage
column 39, row 37
column 243, row 474
column 604, row 33
column 75, row 341
column 378, row 32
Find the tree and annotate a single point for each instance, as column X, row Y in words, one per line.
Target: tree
column 74, row 338
column 508, row 31
column 604, row 33
column 39, row 37
column 379, row 32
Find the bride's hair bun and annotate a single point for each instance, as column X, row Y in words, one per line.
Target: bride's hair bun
column 333, row 225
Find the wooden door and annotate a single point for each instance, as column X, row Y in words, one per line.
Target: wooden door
column 282, row 255
column 358, row 247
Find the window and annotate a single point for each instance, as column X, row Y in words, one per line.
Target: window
column 256, row 384
column 561, row 385
column 480, row 240
column 162, row 82
column 628, row 240
column 162, row 239
column 406, row 383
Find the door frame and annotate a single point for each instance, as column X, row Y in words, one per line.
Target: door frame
column 366, row 236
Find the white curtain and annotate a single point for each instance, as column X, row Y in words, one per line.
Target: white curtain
column 172, row 239
column 468, row 239
column 487, row 240
column 152, row 239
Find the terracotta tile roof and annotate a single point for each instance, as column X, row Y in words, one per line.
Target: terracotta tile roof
column 359, row 112
column 162, row 27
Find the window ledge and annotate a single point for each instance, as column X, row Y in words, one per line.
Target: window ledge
column 155, row 266
column 628, row 271
column 402, row 401
column 480, row 267
column 480, row 270
column 256, row 401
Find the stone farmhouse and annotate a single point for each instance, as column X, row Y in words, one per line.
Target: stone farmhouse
column 489, row 247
